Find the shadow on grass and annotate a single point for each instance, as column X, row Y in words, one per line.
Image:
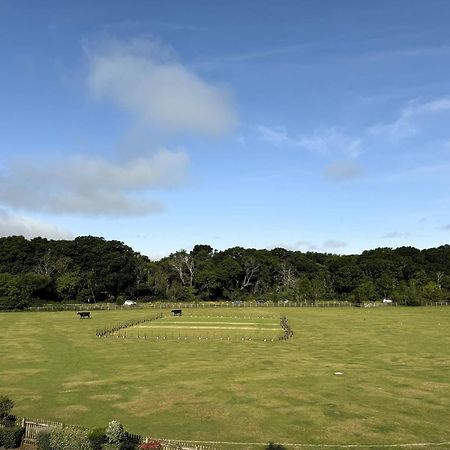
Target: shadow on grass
column 273, row 446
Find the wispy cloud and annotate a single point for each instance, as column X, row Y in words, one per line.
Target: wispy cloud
column 326, row 141
column 342, row 171
column 396, row 234
column 302, row 245
column 439, row 50
column 330, row 141
column 137, row 27
column 18, row 225
column 87, row 185
column 145, row 79
column 331, row 244
column 407, row 124
column 247, row 56
column 276, row 136
column 334, row 244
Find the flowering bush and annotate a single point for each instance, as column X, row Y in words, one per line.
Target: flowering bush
column 152, row 445
column 115, row 432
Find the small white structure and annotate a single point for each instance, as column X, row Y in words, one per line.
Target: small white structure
column 129, row 302
column 387, row 300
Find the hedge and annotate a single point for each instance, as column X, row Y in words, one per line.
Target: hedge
column 70, row 438
column 43, row 440
column 11, row 437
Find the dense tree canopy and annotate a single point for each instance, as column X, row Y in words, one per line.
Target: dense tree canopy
column 92, row 269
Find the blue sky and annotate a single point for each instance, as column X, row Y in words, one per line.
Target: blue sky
column 312, row 125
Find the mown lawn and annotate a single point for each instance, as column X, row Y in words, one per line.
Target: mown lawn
column 214, row 326
column 395, row 386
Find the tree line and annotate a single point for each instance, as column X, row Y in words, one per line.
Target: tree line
column 93, row 269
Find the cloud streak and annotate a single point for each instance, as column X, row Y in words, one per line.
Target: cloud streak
column 407, row 124
column 249, row 56
column 91, row 186
column 325, row 142
column 146, row 80
column 330, row 244
column 17, row 225
column 334, row 244
column 396, row 234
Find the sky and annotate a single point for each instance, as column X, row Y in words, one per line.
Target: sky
column 313, row 125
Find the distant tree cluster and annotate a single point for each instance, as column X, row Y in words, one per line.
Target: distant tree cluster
column 92, row 269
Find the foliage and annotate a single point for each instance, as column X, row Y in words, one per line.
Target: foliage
column 273, row 446
column 6, row 418
column 115, row 432
column 43, row 440
column 10, row 437
column 10, row 293
column 128, row 445
column 6, row 405
column 69, row 285
column 97, row 438
column 70, row 438
column 92, row 269
column 109, row 446
column 120, row 300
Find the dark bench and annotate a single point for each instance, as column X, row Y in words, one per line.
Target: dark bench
column 176, row 312
column 84, row 314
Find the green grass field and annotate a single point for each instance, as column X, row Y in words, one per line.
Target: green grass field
column 395, row 386
column 195, row 326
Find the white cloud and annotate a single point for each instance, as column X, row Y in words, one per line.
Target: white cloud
column 343, row 171
column 310, row 246
column 327, row 141
column 304, row 244
column 275, row 136
column 299, row 245
column 146, row 80
column 396, row 234
column 331, row 141
column 332, row 243
column 86, row 185
column 17, row 225
column 408, row 122
column 249, row 56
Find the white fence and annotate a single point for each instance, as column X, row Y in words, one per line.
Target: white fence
column 188, row 305
column 33, row 426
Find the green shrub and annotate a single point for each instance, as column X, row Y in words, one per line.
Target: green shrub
column 128, row 445
column 120, row 300
column 97, row 438
column 11, row 437
column 115, row 432
column 6, row 405
column 70, row 438
column 273, row 446
column 9, row 421
column 132, row 438
column 43, row 440
column 110, row 446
